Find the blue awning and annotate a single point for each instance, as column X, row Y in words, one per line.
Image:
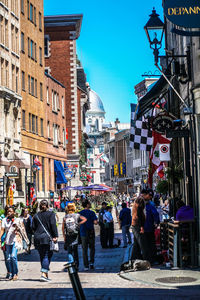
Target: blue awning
column 60, row 176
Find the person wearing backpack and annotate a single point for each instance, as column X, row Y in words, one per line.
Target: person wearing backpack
column 70, row 230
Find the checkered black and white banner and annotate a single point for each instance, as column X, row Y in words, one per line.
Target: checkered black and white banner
column 140, row 136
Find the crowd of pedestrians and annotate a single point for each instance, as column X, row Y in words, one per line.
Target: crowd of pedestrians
column 141, row 214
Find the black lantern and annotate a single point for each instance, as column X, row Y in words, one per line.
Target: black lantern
column 154, row 29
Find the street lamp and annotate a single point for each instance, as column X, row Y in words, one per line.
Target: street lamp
column 154, row 29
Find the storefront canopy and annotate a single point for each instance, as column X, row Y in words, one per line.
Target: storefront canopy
column 60, row 176
column 156, row 92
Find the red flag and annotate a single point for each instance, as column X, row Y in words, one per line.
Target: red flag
column 36, row 162
column 154, row 156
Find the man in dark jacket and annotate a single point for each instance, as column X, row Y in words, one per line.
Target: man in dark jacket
column 125, row 220
column 152, row 220
column 101, row 224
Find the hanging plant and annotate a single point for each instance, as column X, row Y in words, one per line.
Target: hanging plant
column 174, row 174
column 162, row 187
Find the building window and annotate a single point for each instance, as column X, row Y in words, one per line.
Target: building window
column 40, row 21
column 90, row 151
column 46, row 46
column 36, row 88
column 2, row 30
column 58, row 128
column 58, row 102
column 29, row 122
column 64, row 139
column 55, row 102
column 2, row 72
column 35, row 16
column 22, row 42
column 55, row 134
column 33, row 123
column 48, row 129
column 7, row 75
column 41, row 91
column 40, row 55
column 35, row 54
column 41, row 127
column 32, row 86
column 63, row 107
column 13, row 77
column 91, row 162
column 28, row 47
column 29, row 84
column 101, row 148
column 12, row 38
column 17, row 80
column 36, row 125
column 6, row 34
column 31, row 49
column 47, row 95
column 31, row 12
column 16, row 41
column 28, row 9
column 22, row 6
column 23, row 120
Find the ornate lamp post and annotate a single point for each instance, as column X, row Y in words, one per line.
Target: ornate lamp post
column 154, row 29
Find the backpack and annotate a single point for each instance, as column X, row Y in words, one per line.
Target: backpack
column 71, row 224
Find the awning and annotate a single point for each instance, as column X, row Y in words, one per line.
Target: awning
column 157, row 91
column 58, row 168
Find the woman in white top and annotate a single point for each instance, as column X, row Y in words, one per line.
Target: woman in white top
column 109, row 227
column 15, row 234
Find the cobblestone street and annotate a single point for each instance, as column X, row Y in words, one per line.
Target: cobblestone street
column 103, row 283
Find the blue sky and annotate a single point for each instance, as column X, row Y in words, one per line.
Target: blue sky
column 112, row 46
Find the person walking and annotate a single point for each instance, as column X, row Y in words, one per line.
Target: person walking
column 151, row 222
column 101, row 224
column 15, row 233
column 27, row 220
column 125, row 223
column 138, row 221
column 87, row 234
column 70, row 229
column 109, row 227
column 45, row 229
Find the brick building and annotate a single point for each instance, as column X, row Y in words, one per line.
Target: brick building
column 61, row 33
column 56, row 131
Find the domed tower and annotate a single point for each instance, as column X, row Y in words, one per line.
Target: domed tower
column 95, row 118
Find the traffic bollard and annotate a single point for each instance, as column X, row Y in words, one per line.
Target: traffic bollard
column 75, row 281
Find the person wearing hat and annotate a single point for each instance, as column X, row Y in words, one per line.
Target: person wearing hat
column 152, row 220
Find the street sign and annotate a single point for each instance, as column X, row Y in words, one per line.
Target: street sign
column 13, row 175
column 178, row 133
column 163, row 122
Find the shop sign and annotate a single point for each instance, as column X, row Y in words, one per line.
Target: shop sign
column 163, row 123
column 178, row 133
column 184, row 13
column 12, row 175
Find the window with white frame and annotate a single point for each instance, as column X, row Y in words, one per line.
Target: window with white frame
column 55, row 134
column 47, row 95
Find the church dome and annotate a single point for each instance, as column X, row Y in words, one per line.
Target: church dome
column 96, row 105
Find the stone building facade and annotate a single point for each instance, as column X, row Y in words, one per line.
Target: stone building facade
column 10, row 96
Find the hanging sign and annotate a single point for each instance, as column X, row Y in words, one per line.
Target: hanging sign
column 162, row 123
column 184, row 13
column 164, row 152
